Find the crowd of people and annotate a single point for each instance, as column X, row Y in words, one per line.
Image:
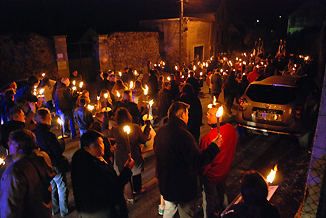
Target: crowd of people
column 106, row 170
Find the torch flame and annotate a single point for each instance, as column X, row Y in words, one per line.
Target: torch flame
column 271, row 175
column 126, row 129
column 151, row 102
column 219, row 112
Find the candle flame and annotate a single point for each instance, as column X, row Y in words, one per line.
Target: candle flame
column 120, row 74
column 98, row 97
column 43, row 74
column 194, row 68
column 131, row 84
column 2, row 161
column 271, row 176
column 74, row 88
column 90, row 107
column 41, row 91
column 151, row 102
column 176, row 67
column 201, row 73
column 81, row 84
column 118, row 94
column 169, row 79
column 219, row 112
column 106, row 95
column 214, row 100
column 126, row 129
column 74, row 82
column 60, row 121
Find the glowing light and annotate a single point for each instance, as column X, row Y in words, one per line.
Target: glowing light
column 106, row 95
column 90, row 107
column 201, row 74
column 120, row 74
column 74, row 82
column 43, row 74
column 41, row 91
column 219, row 112
column 155, row 65
column 221, row 70
column 136, row 73
column 2, row 161
column 169, row 79
column 131, row 84
column 163, row 63
column 188, row 75
column 146, row 90
column 59, row 121
column 74, row 88
column 194, row 68
column 237, row 58
column 176, row 67
column 151, row 102
column 126, row 129
column 271, row 176
column 214, row 100
column 198, row 63
column 118, row 94
column 81, row 84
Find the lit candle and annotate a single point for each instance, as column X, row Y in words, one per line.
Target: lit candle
column 74, row 88
column 169, row 79
column 150, row 106
column 120, row 74
column 126, row 129
column 81, row 84
column 194, row 68
column 43, row 74
column 106, row 95
column 90, row 107
column 61, row 126
column 2, row 161
column 271, row 176
column 131, row 84
column 74, row 82
column 176, row 67
column 201, row 74
column 98, row 102
column 118, row 95
column 219, row 113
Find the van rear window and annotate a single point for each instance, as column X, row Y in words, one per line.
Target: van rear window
column 271, row 94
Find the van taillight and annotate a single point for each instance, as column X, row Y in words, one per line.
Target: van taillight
column 242, row 104
column 297, row 111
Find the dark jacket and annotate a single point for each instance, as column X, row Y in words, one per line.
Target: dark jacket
column 178, row 161
column 96, row 185
column 164, row 102
column 195, row 114
column 194, row 83
column 9, row 127
column 48, row 142
column 131, row 107
column 25, row 93
column 216, row 82
column 7, row 106
column 25, row 187
column 83, row 118
column 63, row 99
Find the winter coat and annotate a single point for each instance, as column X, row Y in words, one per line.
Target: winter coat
column 96, row 186
column 178, row 161
column 164, row 102
column 26, row 188
column 63, row 99
column 48, row 142
column 136, row 137
column 216, row 82
column 83, row 117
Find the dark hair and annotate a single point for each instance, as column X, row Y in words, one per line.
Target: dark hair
column 82, row 101
column 42, row 112
column 89, row 137
column 188, row 89
column 96, row 125
column 9, row 93
column 32, row 80
column 177, row 109
column 253, row 187
column 45, row 81
column 25, row 139
column 122, row 116
column 14, row 111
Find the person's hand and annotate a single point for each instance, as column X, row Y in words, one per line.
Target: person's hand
column 112, row 148
column 130, row 163
column 218, row 141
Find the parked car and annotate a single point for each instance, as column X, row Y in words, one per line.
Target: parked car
column 281, row 105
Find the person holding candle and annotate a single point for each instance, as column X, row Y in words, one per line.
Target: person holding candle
column 98, row 190
column 127, row 103
column 178, row 160
column 164, row 100
column 254, row 191
column 136, row 137
column 213, row 176
column 48, row 142
column 83, row 117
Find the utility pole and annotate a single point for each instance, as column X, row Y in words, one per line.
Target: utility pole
column 181, row 19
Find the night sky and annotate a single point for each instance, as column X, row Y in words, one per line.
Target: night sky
column 74, row 17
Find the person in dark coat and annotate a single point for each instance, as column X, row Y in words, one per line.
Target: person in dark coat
column 8, row 105
column 216, row 81
column 178, row 160
column 83, row 116
column 194, row 83
column 64, row 105
column 25, row 93
column 98, row 190
column 129, row 105
column 48, row 142
column 230, row 91
column 164, row 100
column 17, row 121
column 152, row 84
column 254, row 190
column 195, row 111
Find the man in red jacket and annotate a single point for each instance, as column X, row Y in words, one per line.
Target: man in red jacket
column 214, row 175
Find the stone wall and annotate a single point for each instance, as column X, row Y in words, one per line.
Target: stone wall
column 25, row 54
column 128, row 49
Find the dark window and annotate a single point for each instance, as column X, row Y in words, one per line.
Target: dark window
column 271, row 94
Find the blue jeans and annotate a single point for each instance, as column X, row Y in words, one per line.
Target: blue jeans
column 68, row 117
column 59, row 192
